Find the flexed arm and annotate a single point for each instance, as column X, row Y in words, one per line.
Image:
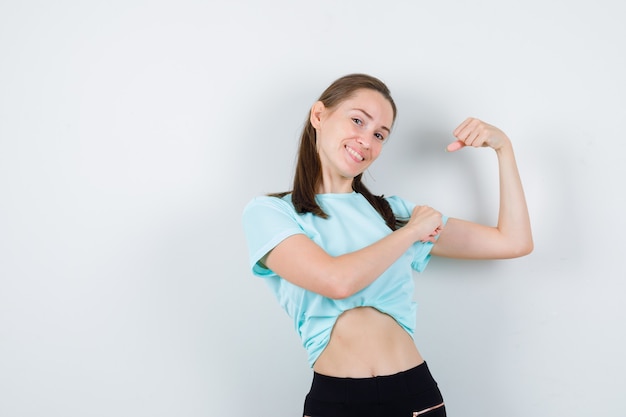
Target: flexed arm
column 512, row 236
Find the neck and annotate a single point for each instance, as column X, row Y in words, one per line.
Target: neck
column 335, row 186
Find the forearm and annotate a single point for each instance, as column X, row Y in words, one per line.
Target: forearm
column 513, row 218
column 354, row 271
column 302, row 262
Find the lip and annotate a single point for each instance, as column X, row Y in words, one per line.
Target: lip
column 352, row 156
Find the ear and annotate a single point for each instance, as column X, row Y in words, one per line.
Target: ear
column 316, row 114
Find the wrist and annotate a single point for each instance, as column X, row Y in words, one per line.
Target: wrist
column 505, row 146
column 410, row 233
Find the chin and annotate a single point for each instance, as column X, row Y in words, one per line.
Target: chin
column 353, row 175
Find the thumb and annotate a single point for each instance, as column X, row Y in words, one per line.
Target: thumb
column 455, row 146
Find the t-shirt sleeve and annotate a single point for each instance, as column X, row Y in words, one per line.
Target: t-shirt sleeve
column 267, row 221
column 421, row 250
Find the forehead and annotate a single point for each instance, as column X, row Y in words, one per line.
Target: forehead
column 373, row 102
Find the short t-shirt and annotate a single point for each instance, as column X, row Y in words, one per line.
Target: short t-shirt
column 352, row 224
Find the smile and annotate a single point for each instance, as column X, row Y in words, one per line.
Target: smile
column 354, row 153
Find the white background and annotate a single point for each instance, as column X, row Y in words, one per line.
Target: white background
column 133, row 133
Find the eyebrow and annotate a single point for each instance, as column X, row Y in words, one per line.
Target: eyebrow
column 371, row 118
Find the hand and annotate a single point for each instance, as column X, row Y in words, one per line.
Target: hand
column 426, row 222
column 476, row 133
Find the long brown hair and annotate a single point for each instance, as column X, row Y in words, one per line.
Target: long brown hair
column 308, row 173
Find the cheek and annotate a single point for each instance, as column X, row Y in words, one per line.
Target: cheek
column 376, row 150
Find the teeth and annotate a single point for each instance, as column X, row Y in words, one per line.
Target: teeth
column 355, row 153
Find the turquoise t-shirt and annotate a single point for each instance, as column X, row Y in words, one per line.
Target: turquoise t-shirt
column 352, row 224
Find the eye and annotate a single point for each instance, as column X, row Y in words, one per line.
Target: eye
column 357, row 121
column 379, row 136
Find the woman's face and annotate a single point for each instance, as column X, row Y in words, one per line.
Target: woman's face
column 350, row 136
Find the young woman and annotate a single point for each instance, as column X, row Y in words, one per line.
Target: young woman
column 340, row 259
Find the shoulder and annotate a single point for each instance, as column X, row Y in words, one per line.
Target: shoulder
column 268, row 212
column 270, row 202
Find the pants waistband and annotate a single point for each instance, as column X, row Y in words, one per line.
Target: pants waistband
column 378, row 388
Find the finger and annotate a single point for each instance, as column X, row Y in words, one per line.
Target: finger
column 473, row 138
column 462, row 126
column 468, row 133
column 455, row 146
column 476, row 135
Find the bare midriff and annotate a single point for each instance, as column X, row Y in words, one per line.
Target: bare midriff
column 365, row 343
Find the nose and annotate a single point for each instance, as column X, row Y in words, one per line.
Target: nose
column 363, row 141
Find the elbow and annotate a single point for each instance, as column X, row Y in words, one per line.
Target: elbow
column 530, row 247
column 523, row 248
column 526, row 250
column 340, row 295
column 344, row 279
column 340, row 287
column 340, row 291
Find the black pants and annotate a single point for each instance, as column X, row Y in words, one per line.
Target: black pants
column 406, row 394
